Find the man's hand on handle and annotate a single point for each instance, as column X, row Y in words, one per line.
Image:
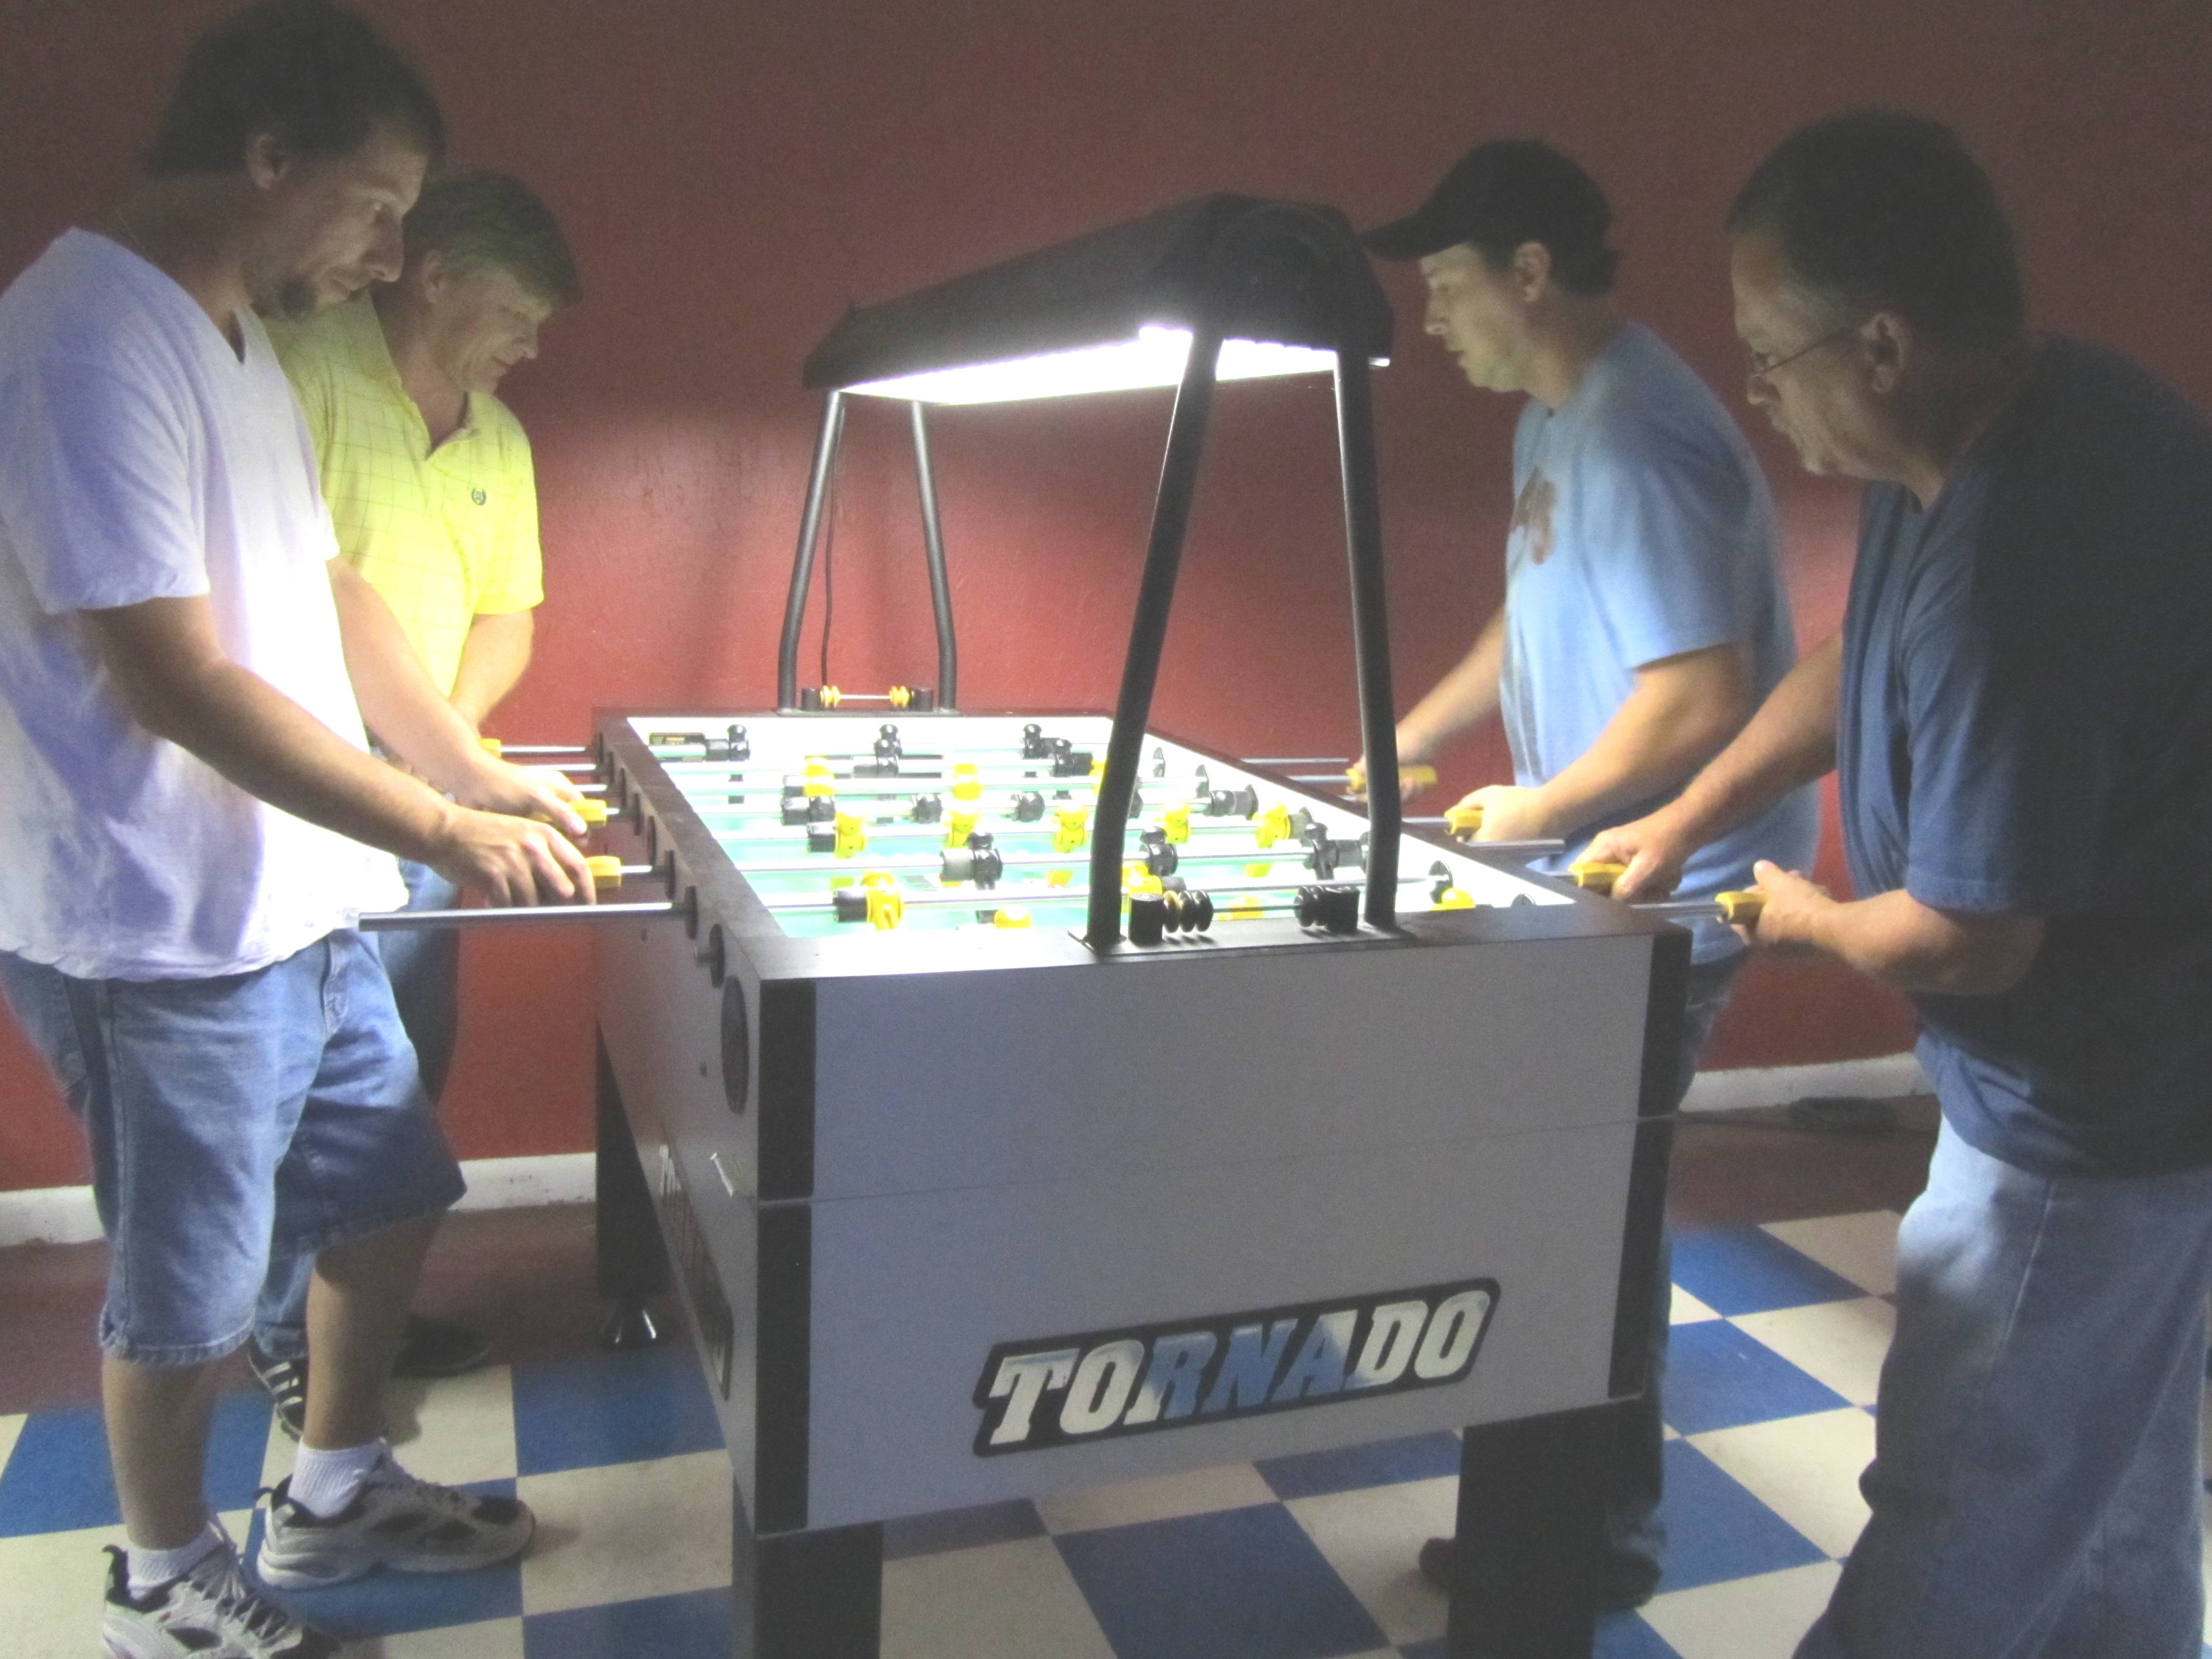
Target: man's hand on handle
column 1652, row 852
column 510, row 859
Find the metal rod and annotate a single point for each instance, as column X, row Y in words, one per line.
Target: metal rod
column 802, row 563
column 507, row 749
column 1339, row 761
column 940, row 589
column 1133, row 708
column 1371, row 622
column 510, row 915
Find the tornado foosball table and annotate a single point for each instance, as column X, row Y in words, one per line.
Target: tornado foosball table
column 959, row 1207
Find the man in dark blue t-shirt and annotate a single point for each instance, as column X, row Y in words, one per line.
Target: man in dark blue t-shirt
column 2019, row 711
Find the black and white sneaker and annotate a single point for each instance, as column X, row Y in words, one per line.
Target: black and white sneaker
column 211, row 1613
column 396, row 1521
column 285, row 1382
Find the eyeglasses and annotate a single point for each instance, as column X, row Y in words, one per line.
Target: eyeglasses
column 1760, row 366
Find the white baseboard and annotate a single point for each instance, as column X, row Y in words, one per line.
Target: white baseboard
column 1886, row 1076
column 64, row 1215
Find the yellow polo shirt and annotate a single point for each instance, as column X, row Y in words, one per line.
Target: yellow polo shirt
column 446, row 534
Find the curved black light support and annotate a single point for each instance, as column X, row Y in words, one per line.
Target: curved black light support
column 1324, row 244
column 940, row 588
column 802, row 563
column 810, row 535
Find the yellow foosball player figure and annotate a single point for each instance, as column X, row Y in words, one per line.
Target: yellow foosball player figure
column 1643, row 617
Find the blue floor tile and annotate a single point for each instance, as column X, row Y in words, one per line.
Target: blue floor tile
column 1626, row 1636
column 1740, row 1270
column 1386, row 1462
column 699, row 1625
column 1244, row 1582
column 236, row 1448
column 611, row 1408
column 1718, row 1377
column 56, row 1479
column 1716, row 1530
column 960, row 1529
column 392, row 1603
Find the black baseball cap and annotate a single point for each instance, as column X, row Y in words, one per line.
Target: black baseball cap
column 1499, row 195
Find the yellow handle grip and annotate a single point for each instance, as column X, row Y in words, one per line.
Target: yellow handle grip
column 1411, row 775
column 492, row 746
column 1741, row 909
column 592, row 811
column 607, row 871
column 1462, row 821
column 1595, row 874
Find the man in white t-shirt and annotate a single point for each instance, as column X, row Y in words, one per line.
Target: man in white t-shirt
column 194, row 822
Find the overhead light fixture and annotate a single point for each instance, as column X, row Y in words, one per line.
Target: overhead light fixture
column 1153, row 358
column 1223, row 288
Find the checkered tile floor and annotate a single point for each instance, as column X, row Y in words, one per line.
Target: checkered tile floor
column 1779, row 1334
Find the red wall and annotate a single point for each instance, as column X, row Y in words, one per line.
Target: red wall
column 732, row 175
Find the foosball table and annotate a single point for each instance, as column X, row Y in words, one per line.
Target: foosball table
column 960, row 1208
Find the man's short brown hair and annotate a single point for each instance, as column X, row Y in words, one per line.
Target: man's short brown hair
column 477, row 220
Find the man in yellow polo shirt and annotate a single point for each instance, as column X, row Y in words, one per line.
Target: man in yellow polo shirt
column 430, row 486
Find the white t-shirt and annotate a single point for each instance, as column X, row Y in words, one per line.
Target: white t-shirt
column 142, row 457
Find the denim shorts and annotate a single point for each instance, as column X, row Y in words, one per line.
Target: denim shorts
column 281, row 1105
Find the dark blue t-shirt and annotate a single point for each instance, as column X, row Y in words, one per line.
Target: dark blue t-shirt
column 2026, row 729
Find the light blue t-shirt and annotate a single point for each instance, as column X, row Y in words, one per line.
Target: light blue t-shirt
column 1641, row 529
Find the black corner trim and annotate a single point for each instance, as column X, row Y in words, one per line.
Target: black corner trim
column 1636, row 1300
column 1663, row 1015
column 787, row 1089
column 783, row 1413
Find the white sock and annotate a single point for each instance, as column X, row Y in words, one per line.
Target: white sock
column 149, row 1568
column 324, row 1482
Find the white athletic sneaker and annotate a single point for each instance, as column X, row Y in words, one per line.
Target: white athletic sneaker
column 396, row 1521
column 211, row 1613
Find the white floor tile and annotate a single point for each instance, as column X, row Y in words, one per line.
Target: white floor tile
column 455, row 1430
column 1759, row 1618
column 624, row 1531
column 1806, row 1469
column 1372, row 1537
column 1162, row 1497
column 1010, row 1601
column 11, row 1427
column 1841, row 1344
column 494, row 1638
column 1688, row 1309
column 1861, row 1247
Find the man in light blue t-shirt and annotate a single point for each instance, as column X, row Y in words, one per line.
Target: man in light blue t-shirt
column 1643, row 617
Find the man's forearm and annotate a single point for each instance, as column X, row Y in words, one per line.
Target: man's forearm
column 1789, row 741
column 262, row 741
column 1678, row 716
column 493, row 658
column 1465, row 697
column 1910, row 947
column 400, row 702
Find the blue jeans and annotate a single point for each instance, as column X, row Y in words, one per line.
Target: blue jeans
column 1636, row 1536
column 2036, row 1485
column 424, row 967
column 232, row 1120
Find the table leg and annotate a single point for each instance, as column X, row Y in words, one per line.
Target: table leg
column 807, row 1594
column 632, row 1266
column 1531, row 1533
